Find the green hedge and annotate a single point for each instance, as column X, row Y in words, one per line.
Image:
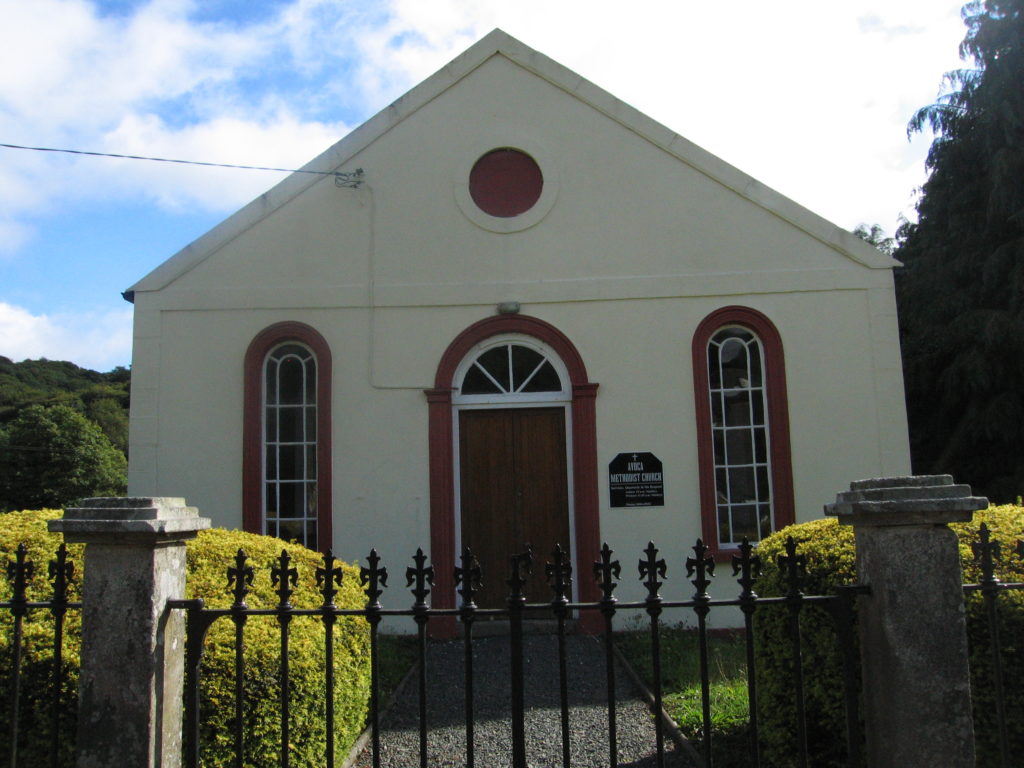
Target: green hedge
column 208, row 557
column 829, row 550
column 1006, row 524
column 35, row 726
column 830, row 553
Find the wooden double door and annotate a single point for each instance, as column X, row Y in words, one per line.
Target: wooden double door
column 514, row 491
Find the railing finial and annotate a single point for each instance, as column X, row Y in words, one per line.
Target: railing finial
column 285, row 578
column 373, row 578
column 747, row 566
column 19, row 571
column 240, row 579
column 468, row 578
column 795, row 566
column 329, row 578
column 559, row 575
column 520, row 572
column 703, row 564
column 423, row 577
column 606, row 571
column 986, row 553
column 650, row 569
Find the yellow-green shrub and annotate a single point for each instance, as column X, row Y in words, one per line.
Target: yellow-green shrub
column 208, row 557
column 828, row 548
column 1006, row 525
column 35, row 724
column 830, row 553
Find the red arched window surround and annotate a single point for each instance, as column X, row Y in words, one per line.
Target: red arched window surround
column 252, row 430
column 778, row 418
column 584, row 458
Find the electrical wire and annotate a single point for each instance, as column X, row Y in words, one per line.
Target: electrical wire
column 338, row 175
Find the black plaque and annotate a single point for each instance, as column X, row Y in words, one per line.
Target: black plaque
column 636, row 480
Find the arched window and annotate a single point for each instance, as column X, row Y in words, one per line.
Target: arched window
column 289, row 444
column 287, row 469
column 742, row 427
column 511, row 368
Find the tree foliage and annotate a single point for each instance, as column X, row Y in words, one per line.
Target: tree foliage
column 876, row 236
column 960, row 291
column 50, row 457
column 102, row 397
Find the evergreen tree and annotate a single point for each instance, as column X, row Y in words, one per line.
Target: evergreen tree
column 876, row 236
column 960, row 292
column 51, row 457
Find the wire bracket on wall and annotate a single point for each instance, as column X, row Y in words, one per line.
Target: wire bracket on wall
column 349, row 179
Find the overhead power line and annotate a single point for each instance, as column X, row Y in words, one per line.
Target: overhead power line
column 341, row 178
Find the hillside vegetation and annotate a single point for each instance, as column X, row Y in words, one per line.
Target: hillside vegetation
column 101, row 397
column 63, row 432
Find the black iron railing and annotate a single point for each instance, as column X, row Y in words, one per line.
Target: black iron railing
column 606, row 570
column 986, row 554
column 20, row 572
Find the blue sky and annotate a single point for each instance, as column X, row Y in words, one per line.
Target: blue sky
column 812, row 98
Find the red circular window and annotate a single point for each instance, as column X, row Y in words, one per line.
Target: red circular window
column 505, row 183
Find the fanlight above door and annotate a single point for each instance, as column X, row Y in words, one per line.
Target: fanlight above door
column 510, row 370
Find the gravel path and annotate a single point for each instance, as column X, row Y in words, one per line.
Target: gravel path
column 588, row 722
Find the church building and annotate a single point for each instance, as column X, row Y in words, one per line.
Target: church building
column 510, row 309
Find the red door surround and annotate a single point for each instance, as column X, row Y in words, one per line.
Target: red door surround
column 584, row 455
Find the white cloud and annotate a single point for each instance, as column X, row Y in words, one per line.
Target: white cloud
column 417, row 39
column 812, row 98
column 799, row 94
column 281, row 141
column 99, row 341
column 77, row 70
column 152, row 83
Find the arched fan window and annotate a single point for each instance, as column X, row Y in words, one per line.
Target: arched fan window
column 511, row 370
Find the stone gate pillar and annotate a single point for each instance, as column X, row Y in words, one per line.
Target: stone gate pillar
column 913, row 639
column 132, row 659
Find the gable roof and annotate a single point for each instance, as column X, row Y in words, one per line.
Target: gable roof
column 498, row 43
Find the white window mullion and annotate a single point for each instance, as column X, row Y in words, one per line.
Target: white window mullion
column 739, row 491
column 291, row 369
column 530, row 377
column 493, row 380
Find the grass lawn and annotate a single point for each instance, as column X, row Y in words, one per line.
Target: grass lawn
column 681, row 689
column 397, row 654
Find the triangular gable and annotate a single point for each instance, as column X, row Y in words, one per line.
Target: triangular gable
column 493, row 44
